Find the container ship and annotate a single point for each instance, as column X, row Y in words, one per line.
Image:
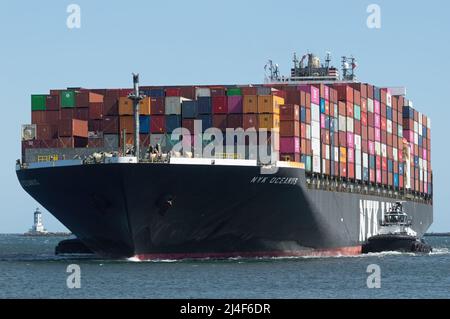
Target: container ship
column 104, row 162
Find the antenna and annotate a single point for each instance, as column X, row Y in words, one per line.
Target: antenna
column 274, row 72
column 328, row 60
column 295, row 60
column 136, row 98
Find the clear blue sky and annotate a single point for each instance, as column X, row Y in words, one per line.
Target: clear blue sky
column 190, row 42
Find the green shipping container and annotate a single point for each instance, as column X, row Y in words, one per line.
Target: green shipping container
column 38, row 102
column 67, row 99
column 308, row 164
column 233, row 92
column 357, row 111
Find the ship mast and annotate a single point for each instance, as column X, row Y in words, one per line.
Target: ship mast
column 136, row 98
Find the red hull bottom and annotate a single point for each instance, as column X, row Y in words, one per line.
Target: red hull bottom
column 334, row 252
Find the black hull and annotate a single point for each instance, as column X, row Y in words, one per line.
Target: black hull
column 177, row 211
column 399, row 243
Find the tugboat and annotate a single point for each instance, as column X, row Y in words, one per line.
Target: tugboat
column 395, row 234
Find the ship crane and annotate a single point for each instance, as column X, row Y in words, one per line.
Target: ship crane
column 136, row 97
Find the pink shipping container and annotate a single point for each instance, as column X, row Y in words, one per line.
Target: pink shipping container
column 376, row 106
column 315, row 93
column 350, row 140
column 371, row 148
column 322, row 121
column 290, row 145
column 350, row 155
column 378, row 176
column 377, row 121
column 235, row 104
column 377, row 135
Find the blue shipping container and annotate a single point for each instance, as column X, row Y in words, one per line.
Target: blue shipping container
column 189, row 109
column 322, row 106
column 365, row 174
column 400, row 169
column 144, row 124
column 303, row 114
column 204, row 105
column 154, row 92
column 206, row 121
column 390, row 166
column 172, row 122
column 389, row 113
column 396, row 180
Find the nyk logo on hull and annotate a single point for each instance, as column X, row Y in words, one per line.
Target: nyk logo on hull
column 274, row 180
column 370, row 214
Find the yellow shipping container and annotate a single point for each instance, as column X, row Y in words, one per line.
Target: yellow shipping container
column 269, row 121
column 269, row 104
column 126, row 106
column 343, row 155
column 145, row 106
column 250, row 104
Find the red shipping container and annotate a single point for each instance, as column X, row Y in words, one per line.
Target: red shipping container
column 173, row 92
column 157, row 106
column 250, row 121
column 249, row 91
column 52, row 102
column 345, row 92
column 235, row 121
column 31, row 144
column 220, row 121
column 111, row 105
column 71, row 128
column 290, row 145
column 53, row 143
column 95, row 111
column 38, row 117
column 95, row 125
column 218, row 91
column 111, row 125
column 219, row 104
column 351, row 170
column 188, row 92
column 189, row 125
column 289, row 112
column 81, row 114
column 372, row 176
column 295, row 97
column 350, row 108
column 289, row 129
column 46, row 132
column 158, row 124
column 52, row 117
column 66, row 114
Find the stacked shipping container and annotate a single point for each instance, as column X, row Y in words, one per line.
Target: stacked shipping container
column 352, row 131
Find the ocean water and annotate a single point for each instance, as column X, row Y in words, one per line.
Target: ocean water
column 29, row 269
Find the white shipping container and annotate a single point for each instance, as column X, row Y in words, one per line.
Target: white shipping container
column 316, row 164
column 395, row 154
column 420, row 118
column 378, row 148
column 421, row 175
column 420, row 130
column 365, row 160
column 416, row 138
column 173, row 104
column 349, row 124
column 420, row 163
column 342, row 123
column 428, row 122
column 370, row 105
column 315, row 112
column 357, row 139
column 315, row 130
column 315, row 146
column 308, row 131
column 336, row 154
column 416, row 127
column 389, row 99
column 358, row 172
column 327, row 152
column 397, row 91
column 389, row 126
column 383, row 150
column 358, row 157
column 400, row 130
column 202, row 92
column 425, row 176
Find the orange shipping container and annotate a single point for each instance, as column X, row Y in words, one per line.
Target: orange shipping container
column 269, row 104
column 126, row 106
column 250, row 104
column 269, row 121
column 127, row 123
column 343, row 155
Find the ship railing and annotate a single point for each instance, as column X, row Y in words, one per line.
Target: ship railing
column 337, row 184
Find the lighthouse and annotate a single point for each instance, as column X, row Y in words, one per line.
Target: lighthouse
column 38, row 226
